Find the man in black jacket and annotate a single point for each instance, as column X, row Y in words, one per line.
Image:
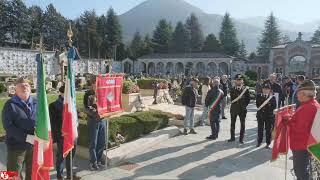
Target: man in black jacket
column 189, row 99
column 240, row 99
column 266, row 103
column 97, row 128
column 56, row 111
column 276, row 89
column 213, row 102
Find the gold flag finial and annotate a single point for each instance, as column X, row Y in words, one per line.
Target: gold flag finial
column 70, row 34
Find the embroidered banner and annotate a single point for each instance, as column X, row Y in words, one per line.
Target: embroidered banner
column 108, row 92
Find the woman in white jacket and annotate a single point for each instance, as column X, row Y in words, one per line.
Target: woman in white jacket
column 204, row 90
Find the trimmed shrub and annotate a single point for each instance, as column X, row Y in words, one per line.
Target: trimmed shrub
column 151, row 120
column 129, row 127
column 148, row 83
column 2, row 88
column 129, row 87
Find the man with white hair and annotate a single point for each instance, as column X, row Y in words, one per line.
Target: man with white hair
column 300, row 128
column 19, row 119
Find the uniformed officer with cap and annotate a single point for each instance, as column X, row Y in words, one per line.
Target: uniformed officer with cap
column 240, row 99
column 266, row 103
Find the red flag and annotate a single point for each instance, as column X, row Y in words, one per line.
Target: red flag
column 281, row 139
column 109, row 90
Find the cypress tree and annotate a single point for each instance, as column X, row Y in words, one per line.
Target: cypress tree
column 228, row 36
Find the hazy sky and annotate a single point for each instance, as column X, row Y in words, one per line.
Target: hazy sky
column 296, row 11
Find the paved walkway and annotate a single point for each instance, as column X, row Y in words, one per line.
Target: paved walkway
column 193, row 157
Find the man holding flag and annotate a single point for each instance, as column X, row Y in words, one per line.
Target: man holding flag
column 300, row 128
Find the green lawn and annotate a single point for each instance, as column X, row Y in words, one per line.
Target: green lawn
column 51, row 98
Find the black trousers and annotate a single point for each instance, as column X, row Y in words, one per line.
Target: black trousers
column 60, row 160
column 264, row 124
column 242, row 115
column 301, row 162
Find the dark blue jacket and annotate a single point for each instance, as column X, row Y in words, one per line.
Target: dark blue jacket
column 55, row 111
column 19, row 119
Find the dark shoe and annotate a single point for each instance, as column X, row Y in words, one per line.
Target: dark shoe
column 259, row 144
column 224, row 117
column 267, row 146
column 185, row 132
column 211, row 137
column 241, row 142
column 94, row 167
column 231, row 140
column 192, row 131
column 102, row 165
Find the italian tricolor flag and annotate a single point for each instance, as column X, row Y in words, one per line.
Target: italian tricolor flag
column 314, row 140
column 70, row 117
column 42, row 152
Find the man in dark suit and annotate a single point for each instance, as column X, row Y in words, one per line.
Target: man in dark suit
column 240, row 99
column 266, row 103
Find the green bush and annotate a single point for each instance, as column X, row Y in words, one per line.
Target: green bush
column 2, row 88
column 130, row 128
column 252, row 75
column 129, row 87
column 147, row 83
column 151, row 120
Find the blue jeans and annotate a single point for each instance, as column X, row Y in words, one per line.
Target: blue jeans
column 215, row 123
column 204, row 115
column 189, row 119
column 97, row 141
column 60, row 159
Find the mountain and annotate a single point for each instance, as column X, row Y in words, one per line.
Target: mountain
column 145, row 17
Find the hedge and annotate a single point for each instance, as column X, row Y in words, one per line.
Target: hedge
column 130, row 126
column 129, row 87
column 147, row 83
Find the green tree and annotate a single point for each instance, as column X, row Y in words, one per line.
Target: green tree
column 316, row 36
column 36, row 25
column 54, row 28
column 101, row 35
column 17, row 21
column 242, row 50
column 147, row 45
column 162, row 37
column 3, row 20
column 88, row 22
column 136, row 46
column 195, row 33
column 270, row 36
column 180, row 38
column 228, row 36
column 211, row 44
column 252, row 75
column 252, row 56
column 114, row 33
column 121, row 52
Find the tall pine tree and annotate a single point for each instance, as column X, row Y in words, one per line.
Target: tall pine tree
column 3, row 20
column 180, row 38
column 17, row 21
column 242, row 50
column 195, row 33
column 228, row 36
column 270, row 36
column 316, row 36
column 211, row 44
column 114, row 33
column 162, row 37
column 88, row 21
column 136, row 46
column 36, row 25
column 147, row 45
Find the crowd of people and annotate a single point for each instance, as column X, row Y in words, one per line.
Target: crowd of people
column 19, row 118
column 271, row 94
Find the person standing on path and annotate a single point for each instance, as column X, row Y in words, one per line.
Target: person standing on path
column 225, row 89
column 97, row 127
column 204, row 91
column 276, row 89
column 295, row 100
column 300, row 128
column 189, row 100
column 240, row 99
column 19, row 119
column 56, row 111
column 266, row 103
column 213, row 102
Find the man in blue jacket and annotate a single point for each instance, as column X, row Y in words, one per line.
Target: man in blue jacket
column 19, row 119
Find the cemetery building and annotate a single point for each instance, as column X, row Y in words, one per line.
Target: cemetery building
column 202, row 64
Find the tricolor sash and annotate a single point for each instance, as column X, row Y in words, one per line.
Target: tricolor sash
column 240, row 96
column 265, row 103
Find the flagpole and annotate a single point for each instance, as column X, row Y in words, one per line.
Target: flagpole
column 70, row 34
